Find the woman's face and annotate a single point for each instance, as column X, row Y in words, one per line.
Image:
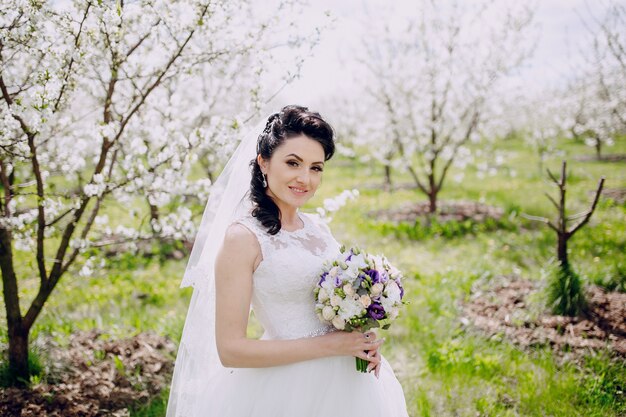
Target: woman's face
column 294, row 170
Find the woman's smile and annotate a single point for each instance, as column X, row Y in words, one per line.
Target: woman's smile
column 298, row 191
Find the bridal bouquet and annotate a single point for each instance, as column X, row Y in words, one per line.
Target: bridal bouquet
column 358, row 291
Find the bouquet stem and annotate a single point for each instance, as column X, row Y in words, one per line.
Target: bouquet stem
column 361, row 365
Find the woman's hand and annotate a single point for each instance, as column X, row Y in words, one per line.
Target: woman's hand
column 375, row 361
column 373, row 356
column 361, row 345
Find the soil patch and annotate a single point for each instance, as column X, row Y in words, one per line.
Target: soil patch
column 394, row 186
column 603, row 158
column 506, row 309
column 616, row 194
column 95, row 376
column 447, row 210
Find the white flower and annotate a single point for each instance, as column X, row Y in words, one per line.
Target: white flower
column 329, row 286
column 350, row 307
column 335, row 300
column 358, row 261
column 352, row 273
column 339, row 323
column 328, row 313
column 387, row 303
column 365, row 300
column 377, row 288
column 322, row 295
column 334, row 271
column 393, row 314
column 378, row 263
column 392, row 291
column 348, row 289
column 394, row 272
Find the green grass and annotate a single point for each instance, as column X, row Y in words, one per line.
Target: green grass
column 155, row 408
column 445, row 369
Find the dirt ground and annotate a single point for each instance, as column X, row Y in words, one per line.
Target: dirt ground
column 95, row 376
column 507, row 308
column 446, row 210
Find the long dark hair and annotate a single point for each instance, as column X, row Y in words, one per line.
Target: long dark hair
column 289, row 122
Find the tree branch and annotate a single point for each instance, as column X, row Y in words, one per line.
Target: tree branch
column 591, row 210
column 71, row 63
column 540, row 219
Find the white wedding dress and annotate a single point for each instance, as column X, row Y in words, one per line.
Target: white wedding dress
column 283, row 302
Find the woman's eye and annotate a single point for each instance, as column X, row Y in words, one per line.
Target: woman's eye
column 295, row 164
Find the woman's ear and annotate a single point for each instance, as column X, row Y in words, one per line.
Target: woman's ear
column 261, row 163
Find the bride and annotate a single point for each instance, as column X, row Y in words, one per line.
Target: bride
column 255, row 249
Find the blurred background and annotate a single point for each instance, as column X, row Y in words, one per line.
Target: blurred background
column 481, row 148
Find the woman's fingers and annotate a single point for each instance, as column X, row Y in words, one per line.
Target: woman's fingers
column 362, row 354
column 374, row 359
column 373, row 345
column 375, row 363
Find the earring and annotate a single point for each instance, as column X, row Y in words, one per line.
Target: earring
column 264, row 180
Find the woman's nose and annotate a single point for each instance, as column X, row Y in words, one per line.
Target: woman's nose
column 303, row 176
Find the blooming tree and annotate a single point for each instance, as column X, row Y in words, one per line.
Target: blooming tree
column 540, row 119
column 432, row 78
column 598, row 94
column 109, row 104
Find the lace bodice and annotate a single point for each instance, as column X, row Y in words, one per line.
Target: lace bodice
column 283, row 283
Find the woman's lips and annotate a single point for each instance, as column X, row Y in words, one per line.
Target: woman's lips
column 298, row 191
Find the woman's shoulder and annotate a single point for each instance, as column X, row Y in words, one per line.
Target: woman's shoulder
column 237, row 232
column 240, row 246
column 241, row 231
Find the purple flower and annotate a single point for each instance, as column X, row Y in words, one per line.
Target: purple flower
column 401, row 287
column 375, row 275
column 323, row 278
column 338, row 281
column 376, row 311
column 384, row 277
column 360, row 279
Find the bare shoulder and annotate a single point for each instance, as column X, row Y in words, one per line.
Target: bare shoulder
column 239, row 238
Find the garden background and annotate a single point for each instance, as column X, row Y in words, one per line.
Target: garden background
column 453, row 123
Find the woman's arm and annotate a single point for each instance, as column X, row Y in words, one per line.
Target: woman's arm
column 235, row 263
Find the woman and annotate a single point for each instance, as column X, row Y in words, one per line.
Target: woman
column 270, row 259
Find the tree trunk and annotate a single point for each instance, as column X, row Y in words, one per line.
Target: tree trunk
column 598, row 146
column 562, row 252
column 19, row 374
column 387, row 184
column 18, row 335
column 432, row 199
column 154, row 215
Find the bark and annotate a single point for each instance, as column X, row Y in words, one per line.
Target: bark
column 17, row 332
column 387, row 184
column 154, row 215
column 562, row 251
column 19, row 373
column 432, row 199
